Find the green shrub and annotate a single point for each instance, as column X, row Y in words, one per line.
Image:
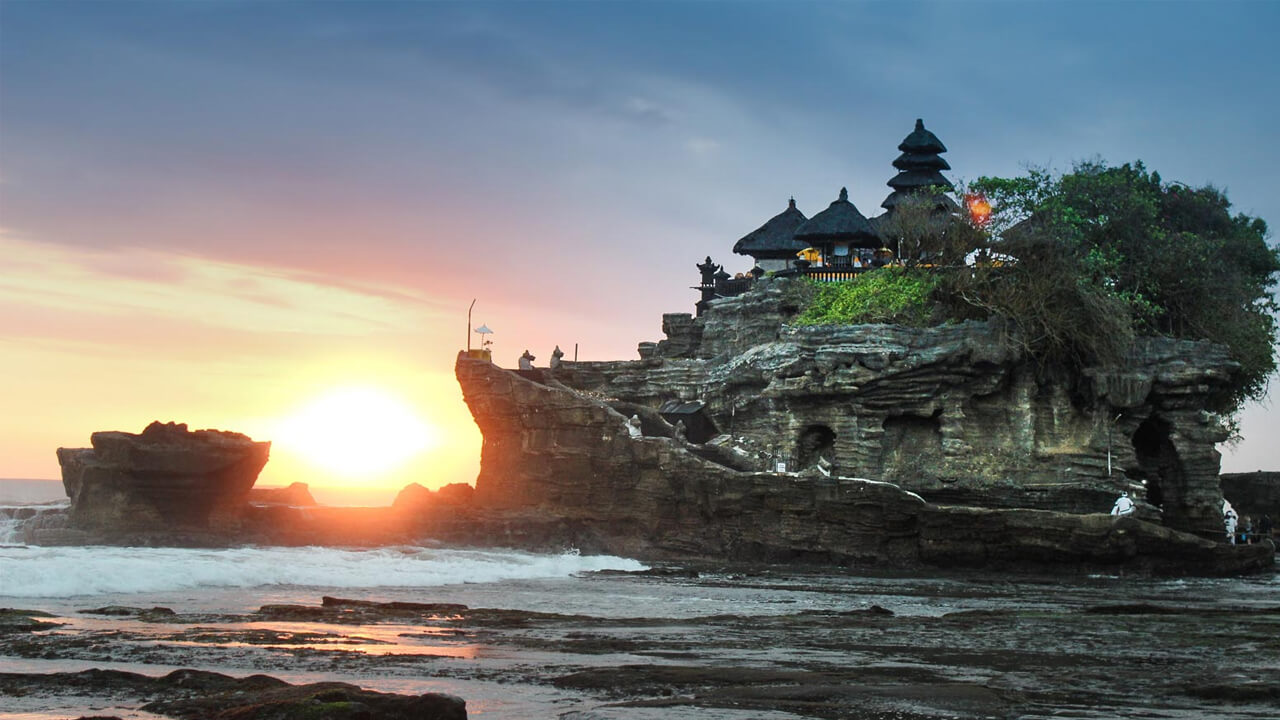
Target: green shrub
column 887, row 295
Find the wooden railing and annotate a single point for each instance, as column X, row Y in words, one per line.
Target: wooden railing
column 834, row 274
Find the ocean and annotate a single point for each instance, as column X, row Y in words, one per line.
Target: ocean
column 16, row 491
column 585, row 637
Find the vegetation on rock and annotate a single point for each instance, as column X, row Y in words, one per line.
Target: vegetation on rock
column 1079, row 263
column 894, row 295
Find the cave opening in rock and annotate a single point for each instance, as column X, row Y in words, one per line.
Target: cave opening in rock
column 1158, row 463
column 815, row 441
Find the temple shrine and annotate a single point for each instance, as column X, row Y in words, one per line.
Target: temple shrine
column 839, row 242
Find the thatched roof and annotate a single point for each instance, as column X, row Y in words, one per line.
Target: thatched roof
column 919, row 167
column 942, row 202
column 775, row 238
column 912, row 179
column 922, row 141
column 920, row 161
column 840, row 221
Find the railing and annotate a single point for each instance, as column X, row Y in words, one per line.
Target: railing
column 733, row 286
column 834, row 274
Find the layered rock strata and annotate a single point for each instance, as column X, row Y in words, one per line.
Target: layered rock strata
column 166, row 479
column 556, row 459
column 955, row 413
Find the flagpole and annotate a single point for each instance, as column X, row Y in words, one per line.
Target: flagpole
column 473, row 304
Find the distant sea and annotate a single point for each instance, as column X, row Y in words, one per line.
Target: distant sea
column 27, row 492
column 23, row 491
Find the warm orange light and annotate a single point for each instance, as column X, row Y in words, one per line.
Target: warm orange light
column 813, row 255
column 979, row 209
column 355, row 432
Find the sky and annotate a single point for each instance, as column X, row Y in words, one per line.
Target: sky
column 222, row 213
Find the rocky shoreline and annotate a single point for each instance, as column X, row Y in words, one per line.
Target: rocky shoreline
column 834, row 646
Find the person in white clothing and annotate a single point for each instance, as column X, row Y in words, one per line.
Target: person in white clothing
column 1229, row 519
column 1124, row 505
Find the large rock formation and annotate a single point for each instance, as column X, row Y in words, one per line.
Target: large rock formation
column 164, row 480
column 561, row 462
column 955, row 413
column 1253, row 493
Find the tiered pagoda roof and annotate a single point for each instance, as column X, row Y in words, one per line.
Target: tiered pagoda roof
column 840, row 222
column 919, row 167
column 776, row 238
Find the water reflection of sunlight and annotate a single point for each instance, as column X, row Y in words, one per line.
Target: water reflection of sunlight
column 372, row 639
column 366, row 639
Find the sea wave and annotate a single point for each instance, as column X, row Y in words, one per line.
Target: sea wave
column 59, row 572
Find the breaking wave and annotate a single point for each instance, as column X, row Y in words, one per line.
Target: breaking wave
column 58, row 572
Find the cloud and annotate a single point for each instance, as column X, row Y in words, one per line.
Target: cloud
column 144, row 284
column 647, row 110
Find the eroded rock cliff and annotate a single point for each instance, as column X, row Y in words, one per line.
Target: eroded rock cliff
column 954, row 413
column 165, row 480
column 562, row 463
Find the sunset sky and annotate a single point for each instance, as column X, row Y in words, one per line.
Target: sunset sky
column 222, row 213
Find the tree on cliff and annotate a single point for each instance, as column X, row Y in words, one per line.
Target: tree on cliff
column 1117, row 248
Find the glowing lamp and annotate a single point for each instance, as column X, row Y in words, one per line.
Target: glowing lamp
column 979, row 209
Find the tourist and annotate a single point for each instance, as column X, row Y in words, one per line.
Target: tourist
column 1246, row 535
column 1229, row 519
column 1124, row 505
column 1264, row 527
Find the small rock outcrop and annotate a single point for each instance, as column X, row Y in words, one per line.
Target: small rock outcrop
column 295, row 494
column 166, row 479
column 415, row 497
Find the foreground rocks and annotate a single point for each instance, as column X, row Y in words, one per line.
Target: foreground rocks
column 200, row 695
column 769, row 640
column 556, row 460
column 166, row 479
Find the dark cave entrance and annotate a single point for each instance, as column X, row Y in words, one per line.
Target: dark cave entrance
column 815, row 441
column 1158, row 463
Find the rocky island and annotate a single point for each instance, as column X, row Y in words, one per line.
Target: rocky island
column 985, row 406
column 976, row 463
column 917, row 387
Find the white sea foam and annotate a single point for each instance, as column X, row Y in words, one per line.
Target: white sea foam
column 56, row 572
column 9, row 527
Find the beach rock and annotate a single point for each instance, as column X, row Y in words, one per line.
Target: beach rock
column 14, row 621
column 295, row 494
column 1022, row 539
column 197, row 694
column 318, row 701
column 164, row 480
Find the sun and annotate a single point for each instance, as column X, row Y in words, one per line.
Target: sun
column 356, row 432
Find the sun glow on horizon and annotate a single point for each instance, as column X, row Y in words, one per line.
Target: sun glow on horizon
column 356, row 432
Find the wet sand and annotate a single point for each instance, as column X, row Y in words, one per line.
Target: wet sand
column 772, row 643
